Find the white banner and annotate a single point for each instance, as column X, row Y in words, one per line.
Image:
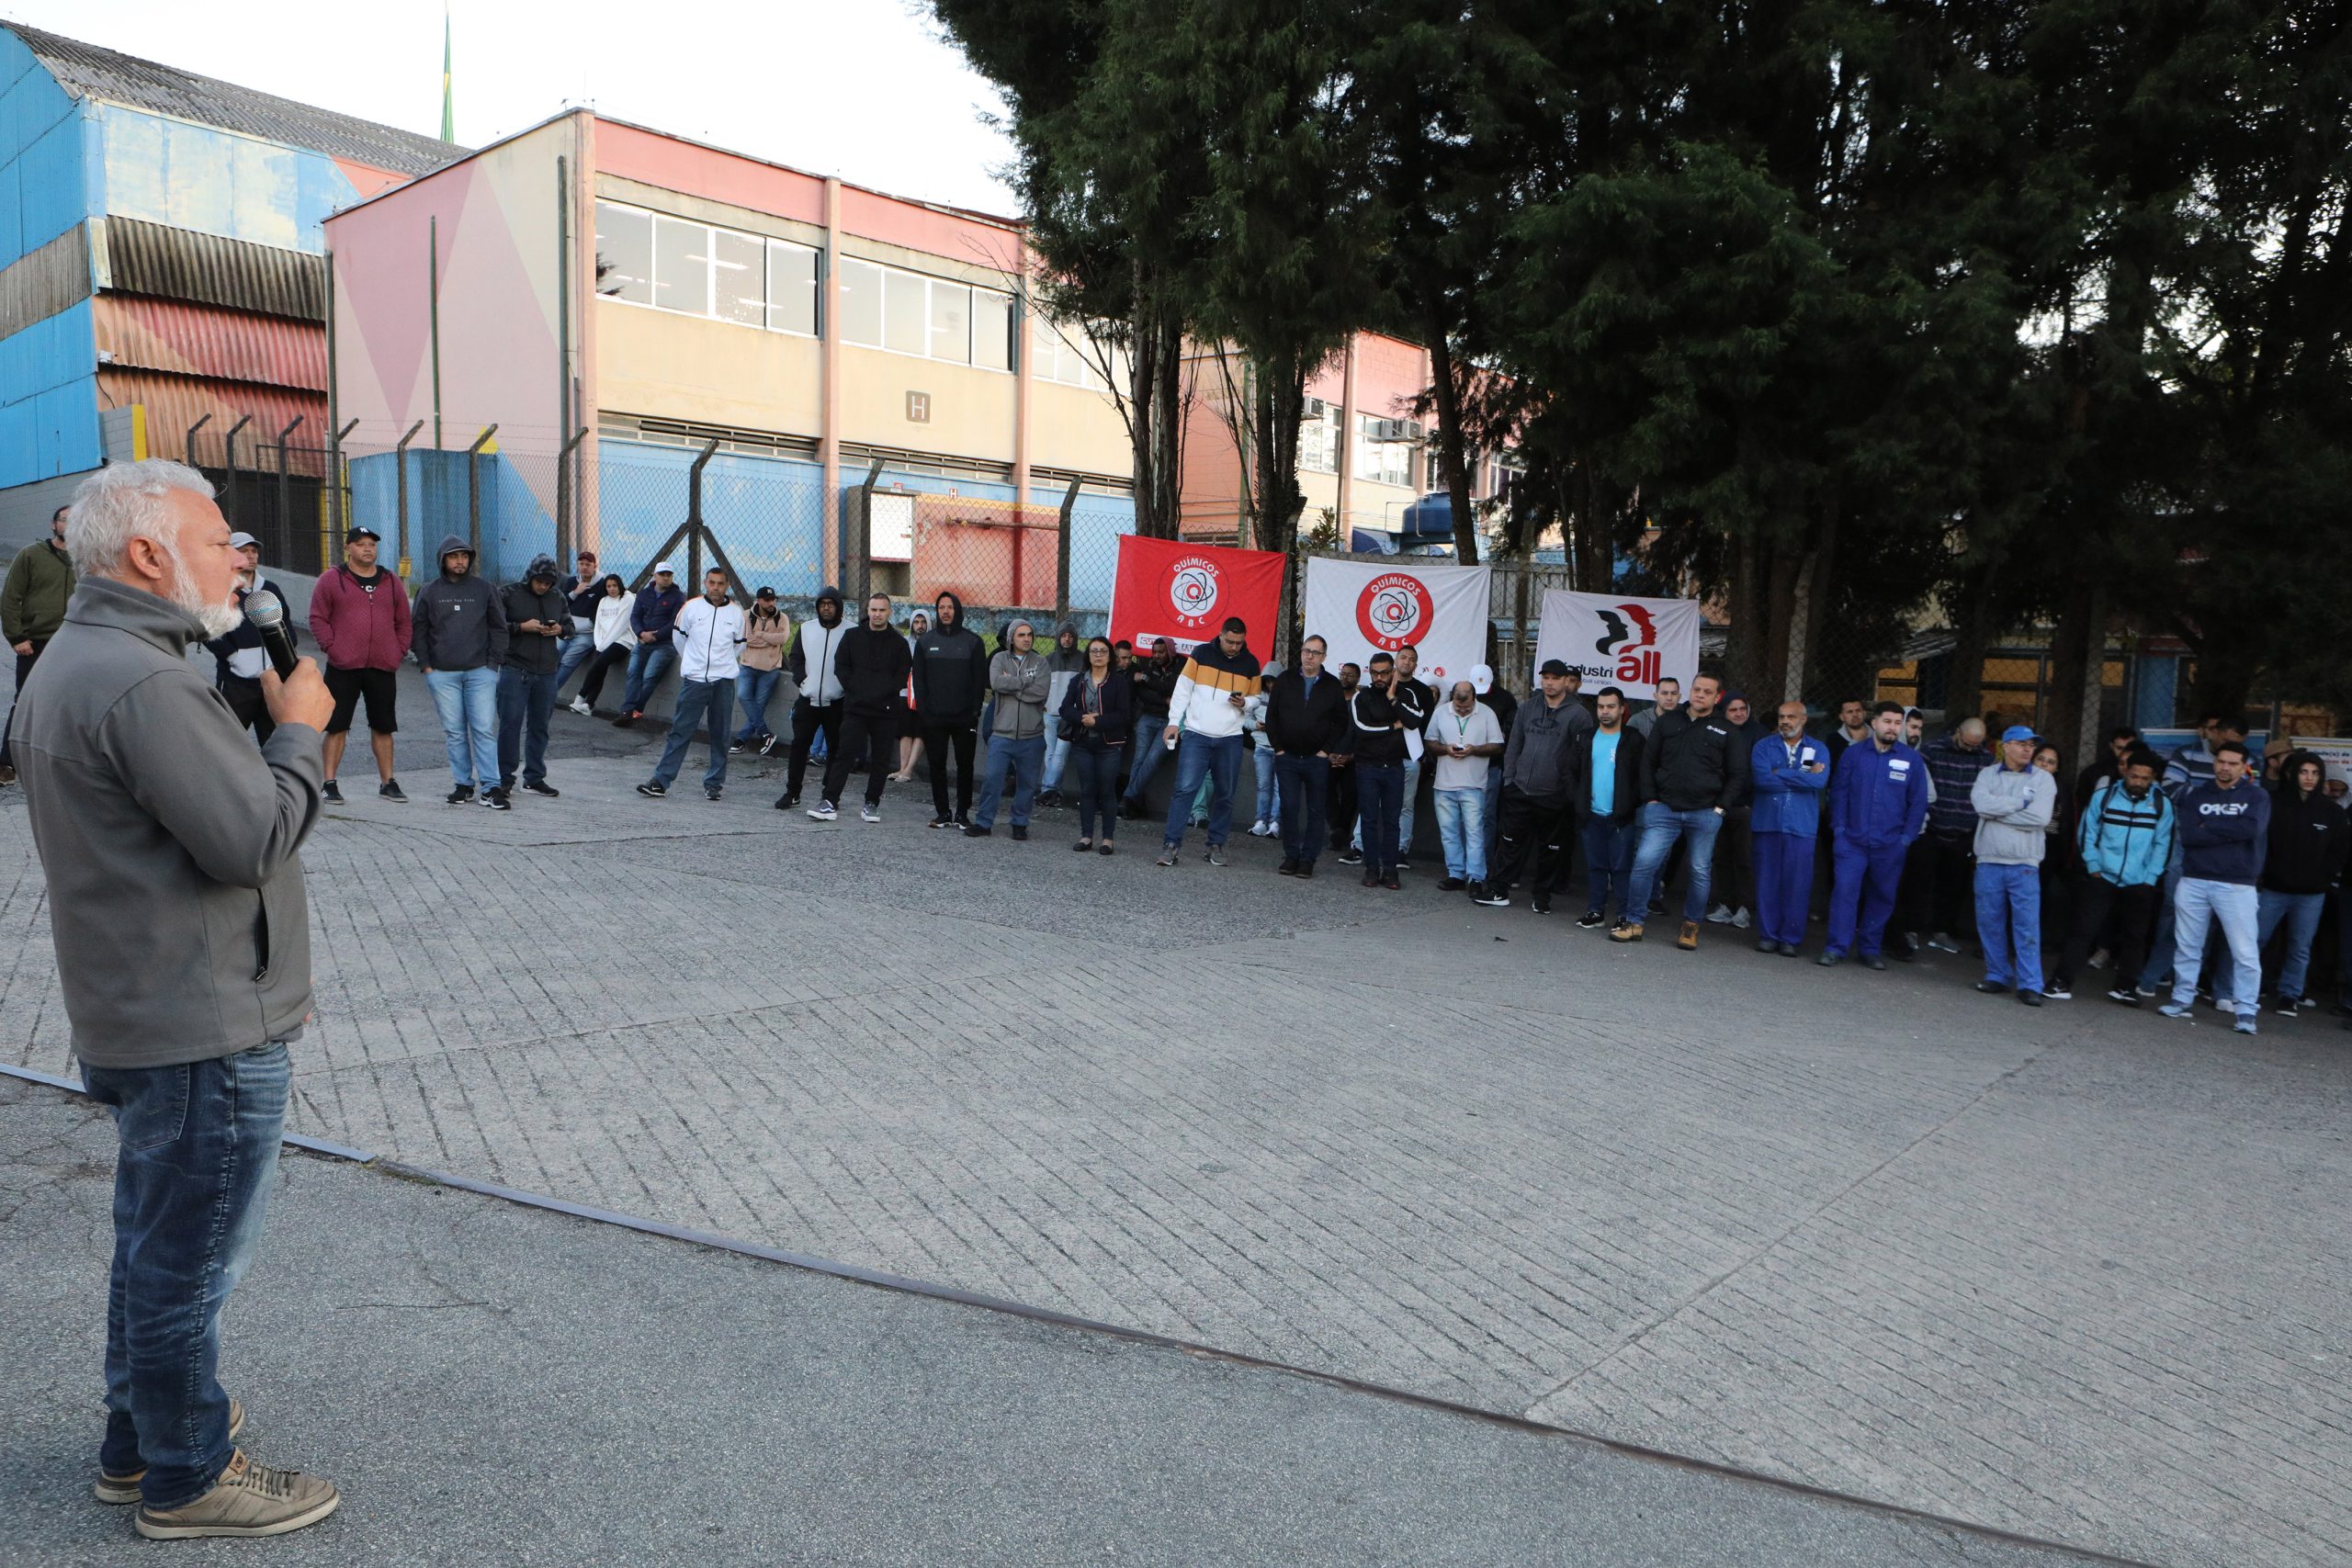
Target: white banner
column 1360, row 609
column 1630, row 644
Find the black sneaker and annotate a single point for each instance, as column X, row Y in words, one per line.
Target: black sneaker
column 542, row 787
column 790, row 801
column 1990, row 987
column 331, row 795
column 1403, row 865
column 710, row 795
column 2030, row 998
column 972, row 832
column 735, row 748
column 461, row 796
column 1451, row 885
column 391, row 790
column 1020, row 835
column 942, row 822
column 1352, row 857
column 1487, row 896
column 495, row 800
column 1593, row 918
column 651, row 791
column 1306, row 869
column 1288, row 868
column 1541, row 903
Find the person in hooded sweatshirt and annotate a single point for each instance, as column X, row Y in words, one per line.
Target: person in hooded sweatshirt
column 2309, row 836
column 1018, row 686
column 872, row 667
column 2125, row 839
column 951, row 682
column 1066, row 659
column 538, row 616
column 458, row 635
column 817, row 708
column 2224, row 835
column 1205, row 715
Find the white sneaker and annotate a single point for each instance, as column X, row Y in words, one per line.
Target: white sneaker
column 579, row 705
column 822, row 812
column 1944, row 941
column 1720, row 915
column 2244, row 1024
column 869, row 814
column 1740, row 919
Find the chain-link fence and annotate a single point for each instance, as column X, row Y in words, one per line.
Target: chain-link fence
column 281, row 494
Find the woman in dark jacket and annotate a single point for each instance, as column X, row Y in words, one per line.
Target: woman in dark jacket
column 1097, row 715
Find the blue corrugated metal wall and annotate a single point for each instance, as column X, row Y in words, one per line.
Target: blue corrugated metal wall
column 49, row 410
column 216, row 182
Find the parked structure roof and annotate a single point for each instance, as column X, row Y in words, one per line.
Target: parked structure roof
column 87, row 71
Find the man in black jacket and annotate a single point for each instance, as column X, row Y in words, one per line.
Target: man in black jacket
column 239, row 658
column 539, row 617
column 1376, row 729
column 874, row 666
column 1155, row 681
column 1304, row 715
column 1605, row 780
column 1536, row 804
column 951, row 682
column 1691, row 776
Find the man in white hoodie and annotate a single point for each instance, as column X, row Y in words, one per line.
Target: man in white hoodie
column 1205, row 722
column 710, row 632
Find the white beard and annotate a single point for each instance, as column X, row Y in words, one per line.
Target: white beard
column 218, row 620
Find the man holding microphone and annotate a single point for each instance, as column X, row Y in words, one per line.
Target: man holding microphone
column 176, row 901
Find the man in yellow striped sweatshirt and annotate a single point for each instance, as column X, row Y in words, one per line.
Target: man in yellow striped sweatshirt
column 1204, row 725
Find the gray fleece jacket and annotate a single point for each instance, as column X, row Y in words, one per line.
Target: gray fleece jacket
column 1021, row 683
column 170, row 845
column 2013, row 810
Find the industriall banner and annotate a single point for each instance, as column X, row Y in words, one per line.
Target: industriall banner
column 1167, row 588
column 1630, row 644
column 1363, row 608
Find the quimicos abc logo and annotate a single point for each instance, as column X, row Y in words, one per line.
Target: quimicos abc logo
column 1192, row 589
column 1630, row 636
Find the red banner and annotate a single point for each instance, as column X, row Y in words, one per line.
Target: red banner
column 1168, row 588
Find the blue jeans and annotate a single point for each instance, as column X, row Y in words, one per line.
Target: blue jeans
column 467, row 702
column 525, row 701
column 1660, row 825
column 1270, row 799
column 2009, row 922
column 648, row 662
column 1462, row 830
column 196, row 1154
column 1057, row 755
column 696, row 698
column 2160, row 946
column 2301, row 913
column 2236, row 910
column 1027, row 760
column 1149, row 748
column 753, row 688
column 577, row 650
column 1608, row 865
column 1216, row 758
column 1306, row 782
column 1379, row 785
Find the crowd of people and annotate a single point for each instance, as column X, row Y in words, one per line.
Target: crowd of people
column 2175, row 873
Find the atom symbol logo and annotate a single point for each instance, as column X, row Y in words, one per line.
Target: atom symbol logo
column 1393, row 610
column 1193, row 591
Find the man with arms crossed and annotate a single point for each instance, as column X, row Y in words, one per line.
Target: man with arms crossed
column 183, row 949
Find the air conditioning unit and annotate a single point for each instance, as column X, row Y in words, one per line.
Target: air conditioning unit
column 1314, row 407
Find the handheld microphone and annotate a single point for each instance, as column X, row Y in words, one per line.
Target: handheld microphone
column 266, row 613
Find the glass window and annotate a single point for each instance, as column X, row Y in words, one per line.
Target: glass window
column 738, row 278
column 682, row 266
column 1318, row 440
column 991, row 330
column 951, row 322
column 623, row 252
column 1044, row 342
column 1382, row 462
column 861, row 298
column 904, row 314
column 792, row 288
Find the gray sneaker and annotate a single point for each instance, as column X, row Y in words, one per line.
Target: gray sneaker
column 249, row 1499
column 1216, row 855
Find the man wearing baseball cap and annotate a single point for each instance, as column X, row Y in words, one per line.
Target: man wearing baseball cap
column 2014, row 801
column 238, row 656
column 361, row 616
column 654, row 621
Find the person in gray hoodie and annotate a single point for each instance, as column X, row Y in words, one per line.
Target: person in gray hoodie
column 460, row 639
column 173, row 852
column 2013, row 801
column 1020, row 682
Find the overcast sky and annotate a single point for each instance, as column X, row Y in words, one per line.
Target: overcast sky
column 861, row 88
